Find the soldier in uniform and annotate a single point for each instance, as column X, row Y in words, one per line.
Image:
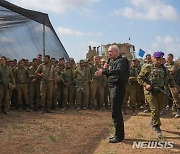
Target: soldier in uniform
column 5, row 76
column 97, row 85
column 132, row 87
column 106, row 88
column 148, row 61
column 82, row 76
column 48, row 83
column 59, row 70
column 156, row 74
column 87, row 67
column 21, row 74
column 173, row 68
column 54, row 96
column 68, row 90
column 34, row 86
column 14, row 96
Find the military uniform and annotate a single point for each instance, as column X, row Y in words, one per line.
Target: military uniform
column 132, row 88
column 47, row 85
column 34, row 88
column 157, row 76
column 97, row 88
column 22, row 78
column 147, row 109
column 176, row 102
column 5, row 76
column 60, row 85
column 68, row 90
column 82, row 77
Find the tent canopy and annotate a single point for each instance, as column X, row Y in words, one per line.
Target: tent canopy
column 26, row 33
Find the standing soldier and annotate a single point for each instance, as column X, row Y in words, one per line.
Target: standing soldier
column 21, row 74
column 5, row 76
column 34, row 86
column 132, row 87
column 173, row 68
column 68, row 91
column 82, row 76
column 97, row 85
column 148, row 61
column 59, row 70
column 54, row 96
column 14, row 96
column 47, row 72
column 106, row 87
column 155, row 74
column 87, row 67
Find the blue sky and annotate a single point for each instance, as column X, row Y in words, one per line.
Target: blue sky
column 152, row 25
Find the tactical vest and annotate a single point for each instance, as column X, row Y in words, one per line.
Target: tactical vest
column 158, row 75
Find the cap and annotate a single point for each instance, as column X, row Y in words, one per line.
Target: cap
column 158, row 54
column 134, row 59
column 81, row 61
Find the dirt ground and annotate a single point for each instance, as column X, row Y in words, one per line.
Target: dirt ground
column 84, row 131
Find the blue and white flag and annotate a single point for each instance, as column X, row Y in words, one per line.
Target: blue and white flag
column 141, row 53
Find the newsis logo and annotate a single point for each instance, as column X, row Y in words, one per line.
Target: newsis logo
column 152, row 145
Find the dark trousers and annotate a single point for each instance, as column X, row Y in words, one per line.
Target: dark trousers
column 117, row 96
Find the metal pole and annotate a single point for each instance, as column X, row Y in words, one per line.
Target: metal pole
column 44, row 41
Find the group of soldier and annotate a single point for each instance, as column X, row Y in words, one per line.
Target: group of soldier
column 51, row 84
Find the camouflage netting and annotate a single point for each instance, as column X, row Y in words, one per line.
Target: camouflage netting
column 26, row 33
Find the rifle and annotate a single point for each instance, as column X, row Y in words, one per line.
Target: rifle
column 155, row 88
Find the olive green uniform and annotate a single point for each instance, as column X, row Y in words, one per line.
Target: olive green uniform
column 47, row 84
column 5, row 76
column 132, row 88
column 82, row 77
column 60, row 85
column 22, row 78
column 68, row 90
column 157, row 76
column 97, row 88
column 176, row 102
column 34, row 88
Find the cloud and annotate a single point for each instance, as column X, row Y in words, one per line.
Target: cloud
column 166, row 44
column 57, row 6
column 149, row 10
column 69, row 31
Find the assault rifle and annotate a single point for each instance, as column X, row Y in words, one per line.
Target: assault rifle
column 155, row 88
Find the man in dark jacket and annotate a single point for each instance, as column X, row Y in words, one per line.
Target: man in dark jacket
column 118, row 74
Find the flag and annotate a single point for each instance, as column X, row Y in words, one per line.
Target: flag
column 141, row 53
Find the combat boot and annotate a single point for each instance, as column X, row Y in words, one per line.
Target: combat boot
column 133, row 112
column 147, row 110
column 20, row 108
column 28, row 109
column 158, row 132
column 42, row 110
column 177, row 113
column 49, row 110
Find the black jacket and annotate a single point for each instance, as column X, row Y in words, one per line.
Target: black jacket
column 119, row 71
